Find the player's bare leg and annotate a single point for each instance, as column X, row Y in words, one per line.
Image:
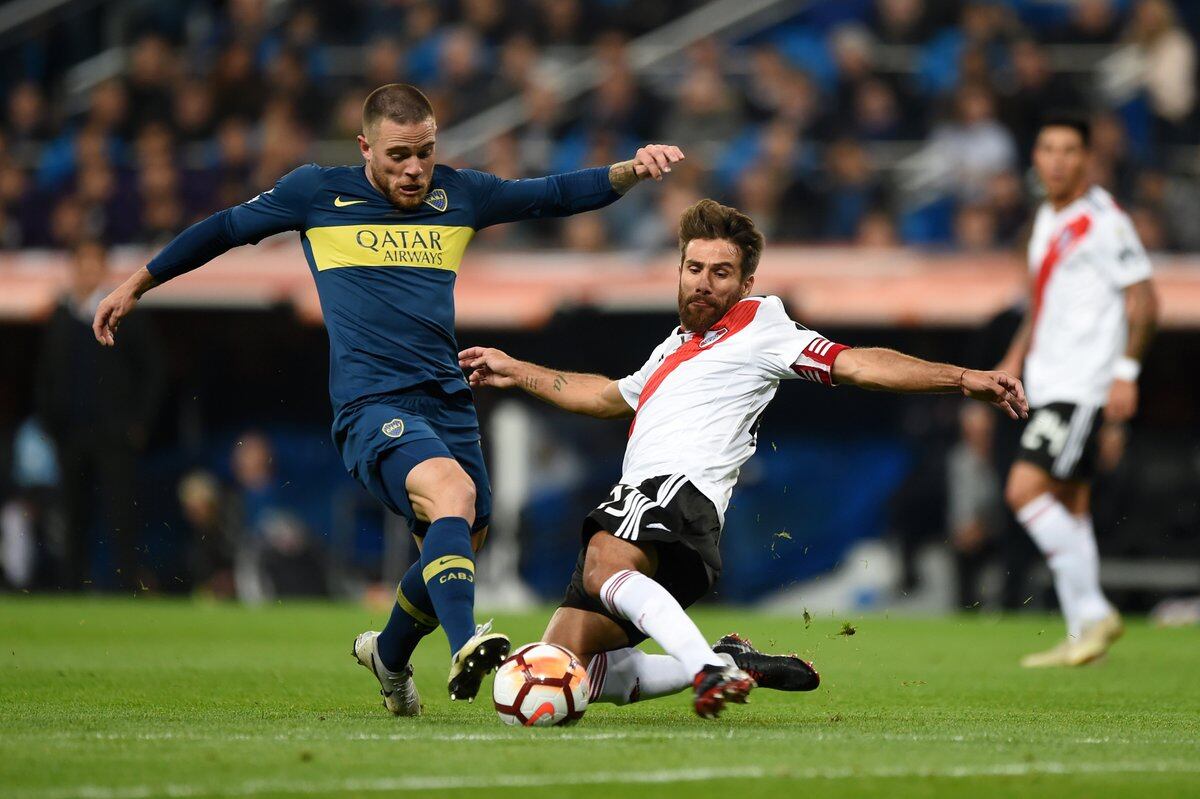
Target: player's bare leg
column 618, row 573
column 1056, row 515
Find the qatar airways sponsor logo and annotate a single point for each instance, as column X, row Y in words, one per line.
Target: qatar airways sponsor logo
column 403, row 245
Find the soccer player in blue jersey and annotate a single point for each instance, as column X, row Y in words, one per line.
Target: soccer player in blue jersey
column 384, row 242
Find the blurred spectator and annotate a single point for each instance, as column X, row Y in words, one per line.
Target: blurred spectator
column 192, row 114
column 1035, row 87
column 215, row 535
column 1158, row 58
column 491, row 19
column 1168, row 66
column 382, row 63
column 876, row 114
column 288, row 82
column 876, row 229
column 705, row 115
column 292, row 564
column 98, row 404
column 1149, row 227
column 29, row 527
column 1174, row 200
column 901, row 21
column 464, row 81
column 973, row 147
column 237, row 87
column 149, row 86
column 585, row 233
column 975, row 229
column 27, row 124
column 253, row 465
column 562, row 22
column 850, row 191
column 975, row 507
column 1091, row 22
column 1112, row 163
column 1006, row 202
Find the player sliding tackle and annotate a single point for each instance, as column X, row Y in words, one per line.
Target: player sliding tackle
column 650, row 550
column 384, row 240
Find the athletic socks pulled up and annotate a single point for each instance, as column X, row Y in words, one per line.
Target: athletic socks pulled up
column 634, row 596
column 1069, row 545
column 628, row 675
column 448, row 571
column 412, row 619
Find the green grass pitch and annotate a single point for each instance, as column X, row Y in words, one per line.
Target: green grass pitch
column 105, row 699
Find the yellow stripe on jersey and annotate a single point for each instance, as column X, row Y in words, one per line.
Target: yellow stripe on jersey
column 429, row 246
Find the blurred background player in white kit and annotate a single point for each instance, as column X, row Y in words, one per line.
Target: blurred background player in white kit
column 1092, row 313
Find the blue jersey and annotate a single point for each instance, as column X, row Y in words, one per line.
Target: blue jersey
column 385, row 276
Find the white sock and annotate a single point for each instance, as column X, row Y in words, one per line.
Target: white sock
column 624, row 676
column 627, row 675
column 1070, row 551
column 1093, row 605
column 634, row 596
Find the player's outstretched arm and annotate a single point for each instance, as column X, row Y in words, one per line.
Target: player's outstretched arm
column 880, row 369
column 499, row 201
column 281, row 208
column 590, row 395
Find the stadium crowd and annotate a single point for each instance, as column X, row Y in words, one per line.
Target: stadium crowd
column 861, row 121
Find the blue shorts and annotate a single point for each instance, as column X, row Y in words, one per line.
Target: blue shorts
column 409, row 429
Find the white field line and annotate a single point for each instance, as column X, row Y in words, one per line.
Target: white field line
column 570, row 736
column 491, row 781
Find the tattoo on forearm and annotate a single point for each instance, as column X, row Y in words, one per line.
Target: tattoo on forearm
column 559, row 382
column 529, row 383
column 622, row 176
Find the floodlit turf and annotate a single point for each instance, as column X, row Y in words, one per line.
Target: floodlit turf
column 131, row 699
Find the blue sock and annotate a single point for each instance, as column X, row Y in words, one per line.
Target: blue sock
column 448, row 568
column 412, row 619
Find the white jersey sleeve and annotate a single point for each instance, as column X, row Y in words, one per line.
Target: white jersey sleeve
column 1127, row 262
column 631, row 386
column 789, row 350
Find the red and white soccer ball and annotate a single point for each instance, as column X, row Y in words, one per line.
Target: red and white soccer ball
column 540, row 685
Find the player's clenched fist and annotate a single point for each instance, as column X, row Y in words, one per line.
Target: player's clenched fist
column 489, row 367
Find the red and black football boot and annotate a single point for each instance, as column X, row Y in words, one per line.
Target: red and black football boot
column 716, row 685
column 778, row 672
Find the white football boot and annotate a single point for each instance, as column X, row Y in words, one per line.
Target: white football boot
column 398, row 689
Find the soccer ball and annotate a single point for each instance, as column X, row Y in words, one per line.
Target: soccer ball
column 540, row 685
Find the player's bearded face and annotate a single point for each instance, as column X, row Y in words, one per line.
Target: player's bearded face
column 400, row 161
column 710, row 283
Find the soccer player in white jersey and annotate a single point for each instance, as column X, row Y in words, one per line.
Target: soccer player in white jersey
column 650, row 550
column 1091, row 315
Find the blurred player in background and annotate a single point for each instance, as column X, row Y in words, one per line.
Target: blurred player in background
column 384, row 242
column 651, row 549
column 1091, row 316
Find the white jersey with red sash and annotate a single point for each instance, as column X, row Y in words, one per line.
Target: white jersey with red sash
column 1081, row 259
column 699, row 397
